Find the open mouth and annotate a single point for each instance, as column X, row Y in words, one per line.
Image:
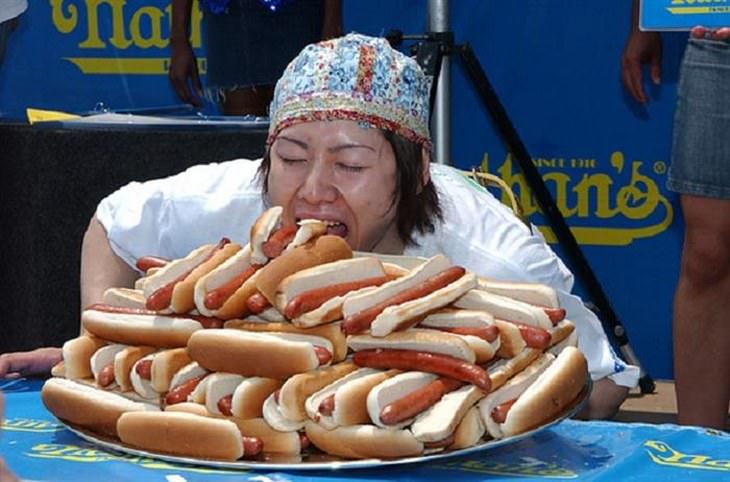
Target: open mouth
column 334, row 227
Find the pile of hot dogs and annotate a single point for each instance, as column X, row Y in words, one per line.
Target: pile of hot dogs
column 291, row 341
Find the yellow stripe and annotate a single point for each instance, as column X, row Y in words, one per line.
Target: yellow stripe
column 128, row 66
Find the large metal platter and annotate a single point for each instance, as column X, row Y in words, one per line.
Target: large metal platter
column 318, row 461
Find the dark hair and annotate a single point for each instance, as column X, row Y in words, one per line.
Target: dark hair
column 418, row 207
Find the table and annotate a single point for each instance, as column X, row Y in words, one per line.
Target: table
column 37, row 447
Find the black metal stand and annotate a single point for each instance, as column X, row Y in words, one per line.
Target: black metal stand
column 429, row 53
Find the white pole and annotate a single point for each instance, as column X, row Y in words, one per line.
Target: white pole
column 438, row 21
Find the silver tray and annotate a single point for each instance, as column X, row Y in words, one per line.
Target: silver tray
column 319, row 461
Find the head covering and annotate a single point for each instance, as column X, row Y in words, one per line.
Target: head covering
column 354, row 77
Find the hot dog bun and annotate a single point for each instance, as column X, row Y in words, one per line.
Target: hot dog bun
column 124, row 361
column 532, row 293
column 249, row 396
column 165, row 365
column 393, row 389
column 219, row 276
column 440, row 421
column 264, row 227
column 364, row 441
column 470, row 430
column 323, row 249
column 350, row 398
column 242, row 352
column 455, row 319
column 417, row 339
column 77, row 353
column 138, row 329
column 505, row 308
column 181, row 433
column 331, row 331
column 86, row 406
column 337, row 278
column 127, row 297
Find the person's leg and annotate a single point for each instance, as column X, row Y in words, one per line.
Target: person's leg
column 248, row 101
column 701, row 335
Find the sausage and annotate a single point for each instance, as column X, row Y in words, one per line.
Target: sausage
column 257, row 303
column 327, row 405
column 437, row 363
column 215, row 298
column 205, row 321
column 146, row 262
column 160, row 299
column 106, row 375
column 437, row 444
column 276, row 243
column 180, row 393
column 323, row 354
column 252, row 445
column 362, row 320
column 144, row 369
column 556, row 315
column 313, row 299
column 225, row 405
column 499, row 413
column 488, row 333
column 303, row 441
column 534, row 336
column 418, row 400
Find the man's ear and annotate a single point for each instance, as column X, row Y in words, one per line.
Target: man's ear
column 425, row 171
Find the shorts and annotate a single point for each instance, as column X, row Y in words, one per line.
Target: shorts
column 701, row 142
column 248, row 45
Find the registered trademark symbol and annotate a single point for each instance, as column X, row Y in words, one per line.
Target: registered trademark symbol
column 660, row 167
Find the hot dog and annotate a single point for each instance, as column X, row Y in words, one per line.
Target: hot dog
column 141, row 327
column 288, row 407
column 344, row 401
column 171, row 288
column 542, row 390
column 185, row 434
column 266, row 354
column 403, row 302
column 125, row 297
column 184, row 383
column 234, row 395
column 420, row 349
column 270, row 237
column 477, row 328
column 532, row 293
column 314, row 296
column 86, row 406
column 77, row 354
column 508, row 309
column 364, row 441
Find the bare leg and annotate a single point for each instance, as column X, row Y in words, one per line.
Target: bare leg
column 248, row 101
column 701, row 335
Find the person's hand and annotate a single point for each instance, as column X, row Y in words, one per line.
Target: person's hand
column 641, row 48
column 716, row 34
column 26, row 363
column 183, row 73
column 5, row 474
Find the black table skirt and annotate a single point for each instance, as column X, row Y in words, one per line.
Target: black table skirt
column 51, row 182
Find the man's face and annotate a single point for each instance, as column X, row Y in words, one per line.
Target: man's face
column 340, row 172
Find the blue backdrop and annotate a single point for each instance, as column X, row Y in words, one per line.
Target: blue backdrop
column 554, row 64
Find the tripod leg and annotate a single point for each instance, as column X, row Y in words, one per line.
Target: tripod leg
column 553, row 215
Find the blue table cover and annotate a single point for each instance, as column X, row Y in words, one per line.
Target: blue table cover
column 37, row 447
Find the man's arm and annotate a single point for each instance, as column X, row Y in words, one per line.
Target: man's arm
column 641, row 48
column 183, row 70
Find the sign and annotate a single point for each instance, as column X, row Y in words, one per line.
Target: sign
column 683, row 14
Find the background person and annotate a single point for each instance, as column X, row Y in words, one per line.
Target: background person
column 348, row 143
column 700, row 173
column 248, row 44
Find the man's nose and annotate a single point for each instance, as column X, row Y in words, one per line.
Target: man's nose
column 318, row 186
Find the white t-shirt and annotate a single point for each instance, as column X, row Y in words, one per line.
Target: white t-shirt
column 11, row 9
column 172, row 216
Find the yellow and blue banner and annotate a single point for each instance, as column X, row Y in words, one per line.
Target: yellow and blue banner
column 683, row 14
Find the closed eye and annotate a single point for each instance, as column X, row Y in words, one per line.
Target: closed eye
column 350, row 167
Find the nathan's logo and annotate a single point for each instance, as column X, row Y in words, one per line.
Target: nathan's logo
column 109, row 28
column 529, row 467
column 30, row 425
column 626, row 203
column 662, row 454
column 73, row 453
column 695, row 7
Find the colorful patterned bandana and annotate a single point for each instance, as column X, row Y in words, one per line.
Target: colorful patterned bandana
column 354, row 77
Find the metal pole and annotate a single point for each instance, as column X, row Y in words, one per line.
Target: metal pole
column 438, row 21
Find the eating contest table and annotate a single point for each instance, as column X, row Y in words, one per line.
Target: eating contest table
column 36, row 447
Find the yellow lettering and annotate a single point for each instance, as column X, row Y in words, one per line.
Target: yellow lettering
column 561, row 182
column 196, row 17
column 601, row 183
column 118, row 38
column 63, row 23
column 155, row 21
column 629, row 195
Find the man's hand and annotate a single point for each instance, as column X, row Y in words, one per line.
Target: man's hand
column 641, row 48
column 183, row 73
column 717, row 34
column 27, row 363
